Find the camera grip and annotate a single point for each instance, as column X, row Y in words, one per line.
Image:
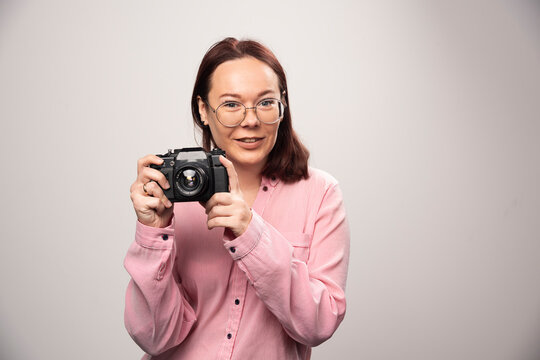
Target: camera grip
column 168, row 173
column 221, row 179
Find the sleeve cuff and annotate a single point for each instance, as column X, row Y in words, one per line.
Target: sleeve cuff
column 243, row 244
column 155, row 238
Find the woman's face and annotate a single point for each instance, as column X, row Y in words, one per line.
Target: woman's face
column 248, row 81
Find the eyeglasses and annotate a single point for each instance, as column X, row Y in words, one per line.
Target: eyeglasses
column 232, row 113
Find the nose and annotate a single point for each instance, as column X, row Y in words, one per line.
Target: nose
column 250, row 119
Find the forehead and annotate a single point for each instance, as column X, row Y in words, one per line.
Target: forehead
column 246, row 77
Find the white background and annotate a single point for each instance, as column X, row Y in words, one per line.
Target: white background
column 427, row 112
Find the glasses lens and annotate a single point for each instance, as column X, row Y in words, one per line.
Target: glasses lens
column 230, row 113
column 269, row 110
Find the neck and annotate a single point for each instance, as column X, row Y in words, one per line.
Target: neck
column 249, row 177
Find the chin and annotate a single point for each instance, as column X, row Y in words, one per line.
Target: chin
column 244, row 159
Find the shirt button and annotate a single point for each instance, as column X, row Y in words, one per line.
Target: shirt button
column 265, row 188
column 233, row 249
column 164, row 236
column 229, row 335
column 273, row 178
column 237, row 302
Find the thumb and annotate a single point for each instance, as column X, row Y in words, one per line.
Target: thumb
column 233, row 176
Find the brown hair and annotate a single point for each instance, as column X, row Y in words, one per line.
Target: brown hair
column 288, row 160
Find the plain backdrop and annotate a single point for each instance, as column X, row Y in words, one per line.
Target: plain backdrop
column 427, row 112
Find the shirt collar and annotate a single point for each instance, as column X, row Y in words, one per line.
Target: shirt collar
column 269, row 181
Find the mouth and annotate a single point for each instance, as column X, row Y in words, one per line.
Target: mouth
column 249, row 140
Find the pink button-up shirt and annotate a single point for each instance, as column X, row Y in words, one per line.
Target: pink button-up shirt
column 271, row 293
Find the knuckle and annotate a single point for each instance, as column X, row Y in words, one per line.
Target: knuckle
column 146, row 170
column 149, row 186
column 153, row 189
column 157, row 192
column 136, row 203
column 147, row 173
column 152, row 202
column 140, row 162
column 153, row 174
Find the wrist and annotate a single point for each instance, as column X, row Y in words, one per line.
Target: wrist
column 245, row 227
column 157, row 222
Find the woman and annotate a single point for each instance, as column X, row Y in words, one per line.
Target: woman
column 255, row 273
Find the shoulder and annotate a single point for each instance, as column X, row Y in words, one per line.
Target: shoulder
column 321, row 177
column 318, row 182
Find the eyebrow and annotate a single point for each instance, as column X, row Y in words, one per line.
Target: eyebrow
column 238, row 96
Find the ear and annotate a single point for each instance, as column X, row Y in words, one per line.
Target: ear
column 202, row 111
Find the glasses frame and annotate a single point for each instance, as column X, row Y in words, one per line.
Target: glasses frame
column 245, row 111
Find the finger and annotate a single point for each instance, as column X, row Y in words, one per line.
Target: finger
column 147, row 174
column 138, row 187
column 156, row 204
column 152, row 189
column 145, row 203
column 233, row 176
column 220, row 211
column 218, row 222
column 165, row 200
column 221, row 198
column 147, row 160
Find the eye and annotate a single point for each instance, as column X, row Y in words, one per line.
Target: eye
column 230, row 106
column 267, row 103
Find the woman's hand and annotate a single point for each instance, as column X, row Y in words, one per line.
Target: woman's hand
column 229, row 209
column 151, row 205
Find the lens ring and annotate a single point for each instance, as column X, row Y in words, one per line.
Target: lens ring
column 190, row 181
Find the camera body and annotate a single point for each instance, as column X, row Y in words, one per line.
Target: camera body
column 193, row 174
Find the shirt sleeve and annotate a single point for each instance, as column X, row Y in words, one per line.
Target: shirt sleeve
column 307, row 298
column 157, row 315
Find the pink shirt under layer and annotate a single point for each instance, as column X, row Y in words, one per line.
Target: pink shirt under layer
column 271, row 293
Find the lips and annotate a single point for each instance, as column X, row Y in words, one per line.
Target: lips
column 249, row 143
column 249, row 140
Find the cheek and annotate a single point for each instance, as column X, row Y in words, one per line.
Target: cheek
column 275, row 135
column 219, row 135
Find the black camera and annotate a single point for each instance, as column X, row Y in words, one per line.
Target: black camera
column 193, row 174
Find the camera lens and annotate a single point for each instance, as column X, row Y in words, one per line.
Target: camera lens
column 190, row 181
